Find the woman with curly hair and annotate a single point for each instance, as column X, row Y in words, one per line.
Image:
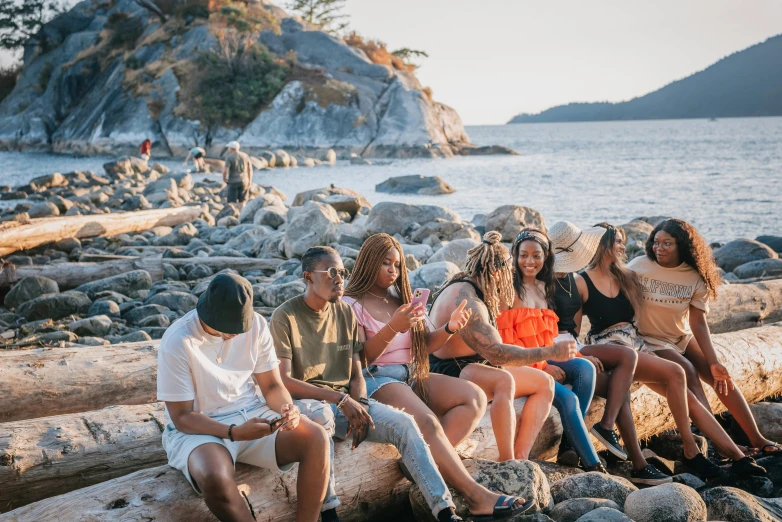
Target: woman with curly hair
column 478, row 354
column 397, row 343
column 679, row 276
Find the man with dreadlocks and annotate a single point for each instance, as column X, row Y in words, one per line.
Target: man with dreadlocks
column 478, row 353
column 316, row 338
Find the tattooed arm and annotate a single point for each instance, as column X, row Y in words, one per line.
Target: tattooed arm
column 485, row 340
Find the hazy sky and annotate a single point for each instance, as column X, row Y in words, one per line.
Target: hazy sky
column 492, row 59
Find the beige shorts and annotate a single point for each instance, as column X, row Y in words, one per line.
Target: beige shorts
column 260, row 452
column 652, row 344
column 625, row 335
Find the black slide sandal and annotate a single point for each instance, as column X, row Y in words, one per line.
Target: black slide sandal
column 503, row 509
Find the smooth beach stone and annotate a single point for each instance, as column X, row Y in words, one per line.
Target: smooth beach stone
column 433, row 275
column 247, row 214
column 247, row 239
column 123, row 284
column 134, row 337
column 571, row 510
column 508, row 220
column 774, row 242
column 604, row 514
column 392, row 218
column 669, row 445
column 739, row 251
column 42, row 210
column 29, row 288
column 314, row 224
column 665, row 503
column 759, row 268
column 758, row 486
column 180, row 236
column 55, row 306
column 97, row 326
column 768, row 416
column 555, row 472
column 725, row 503
column 93, row 341
column 174, row 300
column 321, row 194
column 105, row 307
column 689, row 479
column 158, row 320
column 273, row 217
column 415, row 184
column 276, row 294
column 455, row 252
column 138, row 313
column 592, row 485
column 445, row 231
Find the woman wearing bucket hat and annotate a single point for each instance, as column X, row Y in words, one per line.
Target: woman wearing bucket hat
column 616, row 364
column 531, row 323
column 611, row 297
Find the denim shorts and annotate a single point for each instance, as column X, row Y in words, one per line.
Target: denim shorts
column 378, row 376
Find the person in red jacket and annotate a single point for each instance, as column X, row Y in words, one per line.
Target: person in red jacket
column 145, row 149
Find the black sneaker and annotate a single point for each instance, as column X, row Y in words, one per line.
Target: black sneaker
column 701, row 466
column 747, row 466
column 610, row 440
column 649, row 476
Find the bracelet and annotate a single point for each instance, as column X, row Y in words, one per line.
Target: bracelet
column 342, row 401
column 230, row 435
column 383, row 338
column 392, row 329
column 448, row 330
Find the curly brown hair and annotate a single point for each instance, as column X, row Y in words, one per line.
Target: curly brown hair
column 693, row 250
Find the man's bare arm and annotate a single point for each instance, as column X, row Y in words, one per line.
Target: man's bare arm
column 485, row 340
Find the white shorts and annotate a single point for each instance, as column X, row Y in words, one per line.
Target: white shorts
column 260, row 452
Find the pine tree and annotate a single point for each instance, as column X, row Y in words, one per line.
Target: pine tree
column 327, row 14
column 20, row 20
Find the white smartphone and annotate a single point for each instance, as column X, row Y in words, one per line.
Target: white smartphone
column 420, row 296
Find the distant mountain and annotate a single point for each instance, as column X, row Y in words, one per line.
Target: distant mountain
column 746, row 83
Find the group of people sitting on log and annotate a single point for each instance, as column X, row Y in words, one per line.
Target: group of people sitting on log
column 358, row 357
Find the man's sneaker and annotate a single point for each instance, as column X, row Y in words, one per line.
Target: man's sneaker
column 747, row 466
column 649, row 476
column 610, row 440
column 702, row 467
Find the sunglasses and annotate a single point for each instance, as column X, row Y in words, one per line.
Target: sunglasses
column 502, row 264
column 333, row 272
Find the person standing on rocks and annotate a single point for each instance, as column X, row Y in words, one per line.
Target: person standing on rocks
column 146, row 149
column 209, row 362
column 679, row 277
column 477, row 354
column 198, row 154
column 238, row 174
column 316, row 337
column 613, row 319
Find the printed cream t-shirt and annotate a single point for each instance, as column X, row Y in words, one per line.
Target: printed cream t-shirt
column 667, row 297
column 188, row 368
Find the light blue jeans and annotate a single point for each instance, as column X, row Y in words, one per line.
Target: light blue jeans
column 572, row 405
column 393, row 427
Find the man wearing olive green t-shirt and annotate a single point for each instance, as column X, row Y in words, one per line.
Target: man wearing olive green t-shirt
column 316, row 339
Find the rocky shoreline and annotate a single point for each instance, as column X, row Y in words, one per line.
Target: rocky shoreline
column 148, row 278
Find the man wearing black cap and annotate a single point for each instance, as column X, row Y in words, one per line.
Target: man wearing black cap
column 208, row 364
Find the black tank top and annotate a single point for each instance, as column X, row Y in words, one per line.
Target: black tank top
column 604, row 312
column 567, row 306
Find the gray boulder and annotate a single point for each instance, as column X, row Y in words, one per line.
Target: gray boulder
column 55, row 306
column 92, row 341
column 346, row 203
column 637, row 232
column 433, row 275
column 137, row 314
column 740, row 251
column 454, row 252
column 123, row 284
column 445, row 231
column 48, row 181
column 67, row 244
column 315, row 224
column 105, row 307
column 392, row 218
column 272, row 217
column 134, row 337
column 180, row 236
column 689, row 479
column 775, row 242
column 254, row 205
column 157, row 320
column 571, row 510
column 759, row 268
column 732, row 504
column 593, row 485
column 247, row 239
column 604, row 514
column 515, row 477
column 508, row 220
column 29, row 288
column 665, row 503
column 322, row 195
column 769, row 415
column 174, row 300
column 415, row 184
column 669, row 445
column 421, row 252
column 43, row 210
column 98, row 326
column 275, row 295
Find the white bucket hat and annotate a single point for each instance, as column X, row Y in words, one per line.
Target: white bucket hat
column 233, row 145
column 573, row 248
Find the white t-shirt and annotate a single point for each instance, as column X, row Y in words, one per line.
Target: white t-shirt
column 188, row 370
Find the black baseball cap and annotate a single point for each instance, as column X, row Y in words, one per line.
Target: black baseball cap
column 227, row 304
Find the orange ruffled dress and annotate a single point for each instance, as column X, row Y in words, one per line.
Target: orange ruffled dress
column 528, row 328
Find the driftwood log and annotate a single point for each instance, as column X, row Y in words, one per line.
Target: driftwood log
column 740, row 306
column 15, row 235
column 52, row 455
column 71, row 275
column 368, row 479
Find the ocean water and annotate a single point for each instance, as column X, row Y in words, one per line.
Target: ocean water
column 724, row 176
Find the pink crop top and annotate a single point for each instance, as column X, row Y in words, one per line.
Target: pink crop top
column 398, row 350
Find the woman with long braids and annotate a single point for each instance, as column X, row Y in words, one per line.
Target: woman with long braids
column 397, row 343
column 479, row 355
column 679, row 277
column 613, row 300
column 531, row 323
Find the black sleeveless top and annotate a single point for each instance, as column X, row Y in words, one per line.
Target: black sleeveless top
column 604, row 312
column 567, row 306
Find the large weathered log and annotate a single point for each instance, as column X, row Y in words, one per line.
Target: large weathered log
column 740, row 306
column 42, row 382
column 53, row 455
column 15, row 235
column 368, row 479
column 71, row 275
